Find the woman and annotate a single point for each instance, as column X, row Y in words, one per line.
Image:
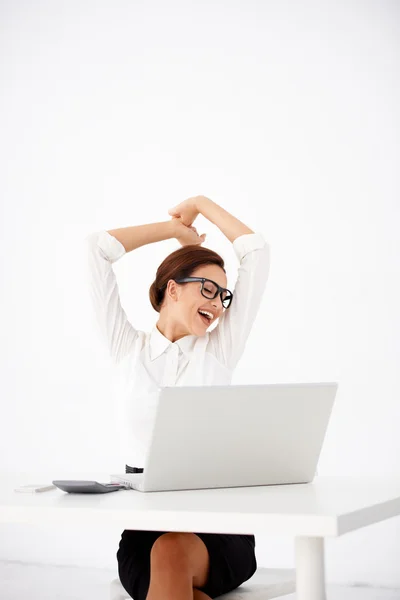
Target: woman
column 190, row 293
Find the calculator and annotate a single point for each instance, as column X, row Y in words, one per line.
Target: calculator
column 81, row 486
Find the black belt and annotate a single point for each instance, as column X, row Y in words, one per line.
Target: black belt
column 129, row 469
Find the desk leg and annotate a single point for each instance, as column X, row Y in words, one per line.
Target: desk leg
column 310, row 568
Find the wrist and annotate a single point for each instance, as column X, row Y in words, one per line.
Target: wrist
column 172, row 227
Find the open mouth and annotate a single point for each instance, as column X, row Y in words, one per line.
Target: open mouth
column 204, row 319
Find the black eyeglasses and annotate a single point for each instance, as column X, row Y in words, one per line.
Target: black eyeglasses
column 210, row 289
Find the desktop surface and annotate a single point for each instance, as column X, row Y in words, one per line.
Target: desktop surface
column 329, row 506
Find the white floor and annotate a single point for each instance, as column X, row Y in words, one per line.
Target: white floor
column 21, row 581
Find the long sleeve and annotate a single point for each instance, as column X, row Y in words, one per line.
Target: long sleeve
column 228, row 339
column 119, row 334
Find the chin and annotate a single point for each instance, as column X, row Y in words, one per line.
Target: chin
column 199, row 331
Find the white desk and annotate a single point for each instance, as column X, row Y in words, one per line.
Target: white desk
column 330, row 506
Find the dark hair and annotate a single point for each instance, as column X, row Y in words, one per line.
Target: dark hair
column 180, row 263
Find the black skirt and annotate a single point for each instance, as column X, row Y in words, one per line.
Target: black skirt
column 232, row 560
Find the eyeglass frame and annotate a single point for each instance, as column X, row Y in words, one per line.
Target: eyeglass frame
column 203, row 280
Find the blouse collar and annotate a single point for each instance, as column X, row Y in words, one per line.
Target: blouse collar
column 159, row 343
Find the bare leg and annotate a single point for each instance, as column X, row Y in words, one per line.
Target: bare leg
column 199, row 595
column 170, row 584
column 178, row 562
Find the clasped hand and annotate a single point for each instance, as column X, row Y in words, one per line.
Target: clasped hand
column 184, row 214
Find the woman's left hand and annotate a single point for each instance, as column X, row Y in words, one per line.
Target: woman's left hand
column 187, row 210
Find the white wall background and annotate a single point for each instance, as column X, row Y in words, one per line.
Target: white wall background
column 286, row 114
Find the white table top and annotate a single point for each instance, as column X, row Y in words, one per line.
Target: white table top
column 329, row 506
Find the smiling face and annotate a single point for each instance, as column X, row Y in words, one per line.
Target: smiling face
column 180, row 316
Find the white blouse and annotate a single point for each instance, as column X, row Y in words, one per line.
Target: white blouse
column 146, row 361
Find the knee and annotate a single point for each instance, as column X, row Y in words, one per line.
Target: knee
column 170, row 548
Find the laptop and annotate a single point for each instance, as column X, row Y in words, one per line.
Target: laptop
column 234, row 435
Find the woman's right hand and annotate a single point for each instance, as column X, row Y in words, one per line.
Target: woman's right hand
column 187, row 234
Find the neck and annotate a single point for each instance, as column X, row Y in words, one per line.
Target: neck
column 170, row 331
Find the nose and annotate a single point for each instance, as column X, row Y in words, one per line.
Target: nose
column 217, row 303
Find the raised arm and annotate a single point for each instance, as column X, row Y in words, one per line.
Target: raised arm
column 103, row 249
column 228, row 339
column 140, row 235
column 229, row 225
